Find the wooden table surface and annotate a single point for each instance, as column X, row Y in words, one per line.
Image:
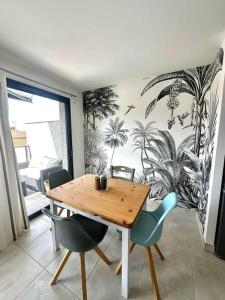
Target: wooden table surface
column 120, row 204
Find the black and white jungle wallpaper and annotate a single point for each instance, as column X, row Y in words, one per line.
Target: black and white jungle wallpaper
column 163, row 127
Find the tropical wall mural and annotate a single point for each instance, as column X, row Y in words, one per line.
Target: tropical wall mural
column 163, row 127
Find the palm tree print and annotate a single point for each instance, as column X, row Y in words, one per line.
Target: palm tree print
column 115, row 135
column 95, row 154
column 141, row 139
column 99, row 104
column 195, row 82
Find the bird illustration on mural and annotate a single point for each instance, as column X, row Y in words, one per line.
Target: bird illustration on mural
column 129, row 109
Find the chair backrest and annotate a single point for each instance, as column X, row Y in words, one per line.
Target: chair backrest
column 167, row 205
column 114, row 170
column 70, row 233
column 58, row 178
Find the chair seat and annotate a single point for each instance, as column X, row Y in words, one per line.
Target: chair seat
column 143, row 227
column 94, row 229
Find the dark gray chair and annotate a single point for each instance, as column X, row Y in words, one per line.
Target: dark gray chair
column 128, row 173
column 78, row 234
column 58, row 178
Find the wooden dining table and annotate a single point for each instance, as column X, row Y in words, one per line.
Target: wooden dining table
column 117, row 207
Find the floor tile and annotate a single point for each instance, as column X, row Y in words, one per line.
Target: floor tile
column 195, row 242
column 175, row 232
column 209, row 280
column 188, row 272
column 41, row 249
column 40, row 289
column 46, row 218
column 145, row 290
column 111, row 233
column 71, row 274
column 175, row 271
column 15, row 274
column 9, row 252
column 104, row 284
column 37, row 227
column 114, row 252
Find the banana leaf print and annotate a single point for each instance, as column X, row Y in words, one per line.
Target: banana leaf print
column 195, row 82
column 169, row 166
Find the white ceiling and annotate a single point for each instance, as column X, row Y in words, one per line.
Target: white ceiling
column 92, row 43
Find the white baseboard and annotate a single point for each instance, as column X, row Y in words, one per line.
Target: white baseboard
column 207, row 247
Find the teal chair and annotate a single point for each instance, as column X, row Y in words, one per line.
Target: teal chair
column 147, row 231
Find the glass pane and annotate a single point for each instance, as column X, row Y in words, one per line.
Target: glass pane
column 21, row 155
column 39, row 136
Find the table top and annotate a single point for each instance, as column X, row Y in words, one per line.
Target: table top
column 120, row 204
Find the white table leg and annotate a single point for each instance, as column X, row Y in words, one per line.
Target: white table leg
column 144, row 207
column 125, row 261
column 53, row 209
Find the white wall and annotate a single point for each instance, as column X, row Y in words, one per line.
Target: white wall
column 77, row 134
column 217, row 165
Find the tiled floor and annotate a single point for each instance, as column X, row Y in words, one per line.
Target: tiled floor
column 187, row 273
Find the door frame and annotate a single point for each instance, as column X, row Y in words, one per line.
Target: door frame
column 32, row 89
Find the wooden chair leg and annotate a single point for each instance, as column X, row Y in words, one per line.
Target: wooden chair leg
column 83, row 275
column 60, row 212
column 102, row 255
column 60, row 267
column 152, row 272
column 159, row 252
column 119, row 265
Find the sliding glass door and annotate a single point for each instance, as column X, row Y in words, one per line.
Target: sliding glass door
column 40, row 123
